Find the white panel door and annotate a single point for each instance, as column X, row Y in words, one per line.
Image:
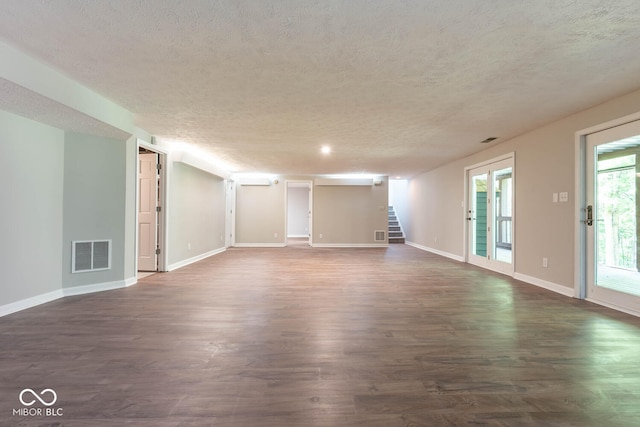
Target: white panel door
column 611, row 217
column 147, row 212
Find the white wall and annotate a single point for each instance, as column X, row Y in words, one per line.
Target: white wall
column 297, row 212
column 31, row 190
column 544, row 164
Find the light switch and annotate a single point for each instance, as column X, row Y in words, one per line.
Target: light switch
column 555, row 197
column 564, row 196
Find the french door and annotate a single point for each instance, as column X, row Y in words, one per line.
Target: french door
column 611, row 216
column 490, row 216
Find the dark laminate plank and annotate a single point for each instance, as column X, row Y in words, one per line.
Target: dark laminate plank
column 324, row 337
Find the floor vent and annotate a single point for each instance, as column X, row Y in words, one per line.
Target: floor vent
column 380, row 236
column 90, row 255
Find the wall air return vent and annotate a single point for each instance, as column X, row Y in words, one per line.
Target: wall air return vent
column 90, row 255
column 380, row 236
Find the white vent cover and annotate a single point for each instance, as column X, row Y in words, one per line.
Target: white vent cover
column 380, row 236
column 90, row 255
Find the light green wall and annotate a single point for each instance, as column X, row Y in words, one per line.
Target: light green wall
column 196, row 213
column 31, row 190
column 94, row 202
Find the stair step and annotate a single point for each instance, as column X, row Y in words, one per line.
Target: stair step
column 394, row 228
column 396, row 239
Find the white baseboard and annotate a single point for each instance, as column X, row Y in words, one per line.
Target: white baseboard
column 89, row 289
column 350, row 245
column 260, row 245
column 30, row 302
column 563, row 290
column 130, row 281
column 197, row 258
column 436, row 251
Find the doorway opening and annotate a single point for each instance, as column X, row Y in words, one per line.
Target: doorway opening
column 299, row 200
column 150, row 210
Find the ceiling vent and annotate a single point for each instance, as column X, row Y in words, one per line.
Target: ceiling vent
column 488, row 140
column 90, row 255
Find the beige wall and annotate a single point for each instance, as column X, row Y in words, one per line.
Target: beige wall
column 349, row 215
column 344, row 215
column 544, row 164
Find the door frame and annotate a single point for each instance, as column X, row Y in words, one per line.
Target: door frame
column 163, row 198
column 230, row 213
column 286, row 207
column 580, row 231
column 507, row 156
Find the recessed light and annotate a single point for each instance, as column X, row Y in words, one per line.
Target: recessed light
column 325, row 149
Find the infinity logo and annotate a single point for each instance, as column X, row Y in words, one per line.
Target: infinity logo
column 35, row 395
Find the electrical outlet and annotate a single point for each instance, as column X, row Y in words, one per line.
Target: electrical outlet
column 321, row 236
column 545, row 262
column 275, row 235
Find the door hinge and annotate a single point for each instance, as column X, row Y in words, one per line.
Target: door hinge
column 158, row 209
column 159, row 166
column 158, row 251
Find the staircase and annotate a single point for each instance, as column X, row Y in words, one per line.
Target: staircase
column 396, row 235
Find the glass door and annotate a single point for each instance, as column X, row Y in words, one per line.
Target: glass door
column 490, row 216
column 611, row 216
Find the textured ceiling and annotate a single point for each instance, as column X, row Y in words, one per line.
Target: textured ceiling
column 395, row 87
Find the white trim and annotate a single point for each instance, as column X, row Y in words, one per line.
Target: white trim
column 580, row 188
column 506, row 156
column 30, row 302
column 130, row 281
column 350, row 245
column 97, row 287
column 260, row 245
column 436, row 251
column 614, row 307
column 152, row 147
column 307, row 184
column 163, row 223
column 563, row 290
column 196, row 258
column 297, row 236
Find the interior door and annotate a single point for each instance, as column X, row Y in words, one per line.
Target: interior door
column 147, row 212
column 611, row 217
column 490, row 216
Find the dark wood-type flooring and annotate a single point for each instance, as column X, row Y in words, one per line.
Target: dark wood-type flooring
column 324, row 337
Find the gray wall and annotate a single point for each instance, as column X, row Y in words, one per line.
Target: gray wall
column 196, row 213
column 31, row 190
column 94, row 202
column 544, row 164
